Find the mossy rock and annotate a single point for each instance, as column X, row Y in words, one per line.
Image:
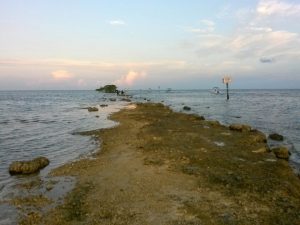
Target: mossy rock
column 28, row 167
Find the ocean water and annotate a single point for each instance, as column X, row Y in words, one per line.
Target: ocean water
column 35, row 123
column 266, row 110
column 45, row 123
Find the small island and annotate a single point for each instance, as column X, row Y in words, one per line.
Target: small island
column 110, row 88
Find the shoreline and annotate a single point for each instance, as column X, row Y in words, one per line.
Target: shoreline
column 163, row 167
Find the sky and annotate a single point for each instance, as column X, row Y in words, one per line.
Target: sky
column 141, row 44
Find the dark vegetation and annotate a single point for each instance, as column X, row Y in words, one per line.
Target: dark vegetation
column 110, row 88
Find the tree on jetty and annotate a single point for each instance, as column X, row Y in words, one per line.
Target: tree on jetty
column 110, row 88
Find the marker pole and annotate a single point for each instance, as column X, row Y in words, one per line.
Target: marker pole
column 227, row 91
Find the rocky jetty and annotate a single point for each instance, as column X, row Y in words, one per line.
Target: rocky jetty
column 28, row 167
column 163, row 167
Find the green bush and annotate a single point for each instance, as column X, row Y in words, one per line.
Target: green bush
column 110, row 88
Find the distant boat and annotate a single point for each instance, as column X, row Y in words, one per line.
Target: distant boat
column 216, row 90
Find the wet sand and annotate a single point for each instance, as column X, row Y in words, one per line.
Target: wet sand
column 159, row 167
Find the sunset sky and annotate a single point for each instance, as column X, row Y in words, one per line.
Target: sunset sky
column 139, row 44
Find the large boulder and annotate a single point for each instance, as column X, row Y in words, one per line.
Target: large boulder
column 281, row 152
column 28, row 167
column 240, row 127
column 276, row 137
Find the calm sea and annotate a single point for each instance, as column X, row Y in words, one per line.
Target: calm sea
column 45, row 123
column 35, row 123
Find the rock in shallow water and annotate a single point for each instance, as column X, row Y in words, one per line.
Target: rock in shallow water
column 187, row 108
column 93, row 109
column 28, row 167
column 281, row 152
column 276, row 137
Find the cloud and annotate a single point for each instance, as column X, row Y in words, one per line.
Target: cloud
column 260, row 29
column 248, row 45
column 254, row 37
column 275, row 7
column 267, row 60
column 117, row 23
column 207, row 26
column 130, row 78
column 61, row 75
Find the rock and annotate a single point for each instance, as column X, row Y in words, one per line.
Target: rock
column 276, row 137
column 93, row 109
column 281, row 152
column 187, row 108
column 49, row 187
column 103, row 105
column 257, row 137
column 125, row 100
column 240, row 127
column 112, row 99
column 28, row 167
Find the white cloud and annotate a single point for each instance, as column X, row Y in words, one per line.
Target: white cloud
column 206, row 27
column 275, row 7
column 61, row 75
column 117, row 23
column 260, row 29
column 248, row 44
column 130, row 78
column 257, row 40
